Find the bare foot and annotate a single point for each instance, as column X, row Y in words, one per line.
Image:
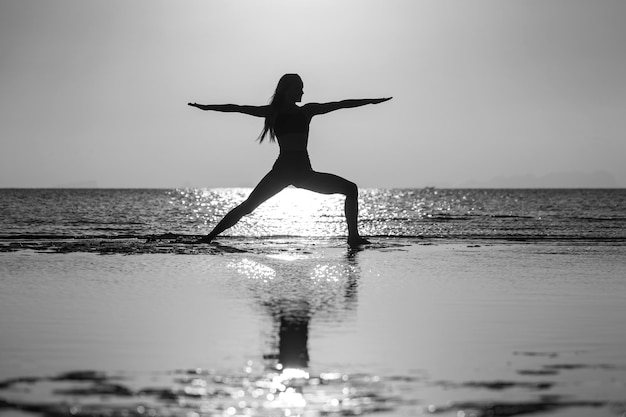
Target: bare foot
column 357, row 241
column 205, row 239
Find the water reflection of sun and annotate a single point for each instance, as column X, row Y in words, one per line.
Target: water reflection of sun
column 291, row 212
column 295, row 211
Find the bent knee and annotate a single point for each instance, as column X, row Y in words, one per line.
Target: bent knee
column 351, row 189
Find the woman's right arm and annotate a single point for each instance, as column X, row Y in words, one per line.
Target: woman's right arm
column 258, row 111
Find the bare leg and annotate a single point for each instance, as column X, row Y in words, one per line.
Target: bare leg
column 334, row 184
column 269, row 186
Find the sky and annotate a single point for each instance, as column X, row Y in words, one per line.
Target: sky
column 486, row 93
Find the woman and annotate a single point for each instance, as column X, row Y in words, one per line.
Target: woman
column 289, row 124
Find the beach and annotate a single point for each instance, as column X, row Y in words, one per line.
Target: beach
column 301, row 326
column 312, row 208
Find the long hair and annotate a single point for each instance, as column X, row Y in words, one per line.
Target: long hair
column 285, row 82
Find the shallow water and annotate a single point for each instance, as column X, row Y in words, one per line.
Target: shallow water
column 297, row 326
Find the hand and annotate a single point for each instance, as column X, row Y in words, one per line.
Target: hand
column 381, row 100
column 198, row 106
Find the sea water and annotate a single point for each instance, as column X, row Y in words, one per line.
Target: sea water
column 468, row 302
column 429, row 213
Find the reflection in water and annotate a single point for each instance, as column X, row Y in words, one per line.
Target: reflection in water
column 293, row 338
column 294, row 290
column 326, row 288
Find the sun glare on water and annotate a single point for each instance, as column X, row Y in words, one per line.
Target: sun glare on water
column 300, row 212
column 291, row 212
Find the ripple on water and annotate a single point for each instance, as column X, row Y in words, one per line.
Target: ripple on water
column 258, row 390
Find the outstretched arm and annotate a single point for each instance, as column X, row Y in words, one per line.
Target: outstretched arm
column 323, row 108
column 258, row 111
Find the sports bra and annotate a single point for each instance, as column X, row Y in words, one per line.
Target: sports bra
column 296, row 122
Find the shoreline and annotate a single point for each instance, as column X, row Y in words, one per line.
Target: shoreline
column 186, row 244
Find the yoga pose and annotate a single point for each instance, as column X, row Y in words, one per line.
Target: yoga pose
column 288, row 123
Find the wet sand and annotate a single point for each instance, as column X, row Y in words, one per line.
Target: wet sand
column 406, row 327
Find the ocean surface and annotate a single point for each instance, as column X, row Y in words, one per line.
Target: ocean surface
column 567, row 214
column 468, row 303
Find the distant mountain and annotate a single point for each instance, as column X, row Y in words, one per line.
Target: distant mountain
column 78, row 184
column 571, row 179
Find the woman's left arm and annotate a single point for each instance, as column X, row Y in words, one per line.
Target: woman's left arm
column 323, row 108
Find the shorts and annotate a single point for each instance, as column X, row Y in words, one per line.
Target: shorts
column 292, row 164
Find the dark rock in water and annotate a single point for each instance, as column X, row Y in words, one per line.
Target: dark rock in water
column 23, row 380
column 499, row 385
column 503, row 409
column 502, row 385
column 160, row 393
column 98, row 389
column 93, row 376
column 538, row 372
column 546, row 354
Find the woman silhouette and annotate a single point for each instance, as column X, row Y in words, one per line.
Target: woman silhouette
column 289, row 124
